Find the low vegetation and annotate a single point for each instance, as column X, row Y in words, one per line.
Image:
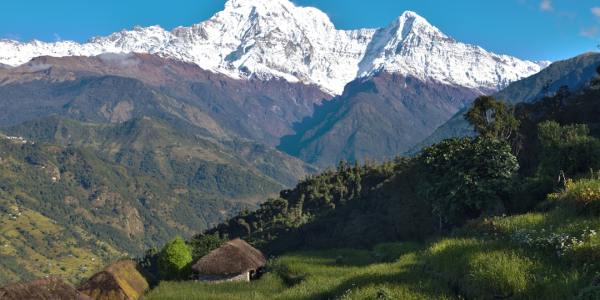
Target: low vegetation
column 542, row 255
column 509, row 214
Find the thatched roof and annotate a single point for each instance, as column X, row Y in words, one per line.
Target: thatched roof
column 234, row 257
column 119, row 281
column 43, row 289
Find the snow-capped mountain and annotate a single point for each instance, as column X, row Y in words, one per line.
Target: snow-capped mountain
column 275, row 38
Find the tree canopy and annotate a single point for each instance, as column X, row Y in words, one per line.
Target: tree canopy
column 467, row 177
column 174, row 259
column 492, row 118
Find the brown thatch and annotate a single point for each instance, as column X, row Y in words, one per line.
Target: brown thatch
column 234, row 257
column 43, row 289
column 119, row 281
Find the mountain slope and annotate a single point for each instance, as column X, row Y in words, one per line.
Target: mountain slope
column 115, row 88
column 573, row 73
column 376, row 118
column 114, row 189
column 268, row 39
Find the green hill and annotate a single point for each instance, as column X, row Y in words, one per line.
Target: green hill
column 127, row 186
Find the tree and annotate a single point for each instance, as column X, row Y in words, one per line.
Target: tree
column 174, row 259
column 492, row 118
column 467, row 178
column 202, row 244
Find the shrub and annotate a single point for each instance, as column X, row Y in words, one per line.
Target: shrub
column 582, row 195
column 174, row 259
column 566, row 148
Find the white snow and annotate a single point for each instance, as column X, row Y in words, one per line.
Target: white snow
column 277, row 39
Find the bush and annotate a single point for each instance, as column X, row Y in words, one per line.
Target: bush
column 528, row 193
column 566, row 148
column 175, row 259
column 582, row 195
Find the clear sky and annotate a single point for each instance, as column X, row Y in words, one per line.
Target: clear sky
column 530, row 29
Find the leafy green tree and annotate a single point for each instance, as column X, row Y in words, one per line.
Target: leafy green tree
column 174, row 259
column 467, row 178
column 202, row 244
column 492, row 118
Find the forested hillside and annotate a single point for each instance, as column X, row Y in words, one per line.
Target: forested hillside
column 508, row 168
column 114, row 190
column 511, row 213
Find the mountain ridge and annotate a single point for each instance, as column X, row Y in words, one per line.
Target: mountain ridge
column 277, row 39
column 117, row 87
column 377, row 118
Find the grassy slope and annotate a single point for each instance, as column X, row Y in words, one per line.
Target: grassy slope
column 548, row 255
column 33, row 246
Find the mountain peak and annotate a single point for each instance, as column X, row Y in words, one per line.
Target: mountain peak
column 276, row 39
column 264, row 3
column 411, row 16
column 282, row 11
column 410, row 21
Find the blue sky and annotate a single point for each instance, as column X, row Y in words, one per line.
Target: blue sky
column 531, row 29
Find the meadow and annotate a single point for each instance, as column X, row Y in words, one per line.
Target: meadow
column 540, row 255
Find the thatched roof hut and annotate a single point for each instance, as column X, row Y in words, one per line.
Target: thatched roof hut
column 119, row 281
column 42, row 289
column 234, row 260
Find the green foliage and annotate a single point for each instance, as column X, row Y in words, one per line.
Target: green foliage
column 488, row 259
column 360, row 206
column 492, row 119
column 567, row 148
column 148, row 266
column 583, row 195
column 202, row 244
column 467, row 177
column 334, row 201
column 174, row 259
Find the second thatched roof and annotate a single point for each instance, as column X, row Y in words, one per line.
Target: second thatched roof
column 119, row 281
column 234, row 257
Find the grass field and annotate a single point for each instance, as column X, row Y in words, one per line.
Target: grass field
column 549, row 255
